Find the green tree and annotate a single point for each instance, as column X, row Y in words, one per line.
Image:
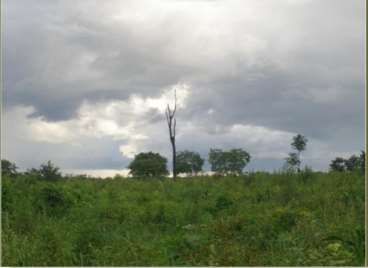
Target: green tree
column 228, row 162
column 189, row 162
column 299, row 143
column 8, row 168
column 49, row 171
column 292, row 162
column 148, row 164
column 338, row 164
column 352, row 163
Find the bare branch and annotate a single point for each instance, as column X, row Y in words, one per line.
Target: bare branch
column 174, row 103
column 167, row 117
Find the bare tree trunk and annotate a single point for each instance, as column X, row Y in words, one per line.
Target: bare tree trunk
column 171, row 122
column 174, row 156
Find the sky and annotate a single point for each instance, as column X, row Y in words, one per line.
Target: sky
column 86, row 83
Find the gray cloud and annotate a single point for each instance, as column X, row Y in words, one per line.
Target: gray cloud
column 291, row 66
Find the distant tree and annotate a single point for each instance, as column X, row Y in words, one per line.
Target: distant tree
column 238, row 159
column 299, row 143
column 216, row 160
column 362, row 162
column 228, row 162
column 33, row 172
column 352, row 163
column 148, row 164
column 338, row 164
column 293, row 162
column 49, row 171
column 189, row 162
column 8, row 168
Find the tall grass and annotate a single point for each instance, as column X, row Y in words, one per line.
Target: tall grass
column 255, row 220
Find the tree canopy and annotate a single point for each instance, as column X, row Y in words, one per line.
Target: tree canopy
column 228, row 162
column 49, row 171
column 299, row 143
column 353, row 163
column 148, row 165
column 338, row 164
column 8, row 168
column 293, row 161
column 189, row 162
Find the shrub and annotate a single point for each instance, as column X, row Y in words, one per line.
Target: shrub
column 307, row 174
column 47, row 171
column 53, row 201
column 284, row 219
column 223, row 202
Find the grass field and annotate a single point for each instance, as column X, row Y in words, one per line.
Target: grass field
column 255, row 220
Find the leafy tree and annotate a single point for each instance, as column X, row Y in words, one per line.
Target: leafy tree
column 33, row 172
column 338, row 164
column 8, row 168
column 299, row 143
column 293, row 162
column 353, row 163
column 189, row 162
column 49, row 171
column 228, row 162
column 238, row 159
column 148, row 164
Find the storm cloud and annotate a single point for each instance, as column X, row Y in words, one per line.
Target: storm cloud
column 86, row 82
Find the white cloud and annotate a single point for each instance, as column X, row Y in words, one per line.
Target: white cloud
column 129, row 150
column 117, row 119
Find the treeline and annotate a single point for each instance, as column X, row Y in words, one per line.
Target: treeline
column 350, row 164
column 222, row 162
column 230, row 162
column 46, row 171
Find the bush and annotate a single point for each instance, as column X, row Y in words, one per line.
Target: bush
column 307, row 174
column 53, row 201
column 223, row 202
column 49, row 171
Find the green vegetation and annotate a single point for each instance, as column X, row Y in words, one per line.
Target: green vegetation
column 293, row 161
column 189, row 162
column 148, row 164
column 230, row 162
column 8, row 168
column 259, row 219
column 353, row 163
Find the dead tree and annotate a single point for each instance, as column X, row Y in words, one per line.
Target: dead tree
column 171, row 122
